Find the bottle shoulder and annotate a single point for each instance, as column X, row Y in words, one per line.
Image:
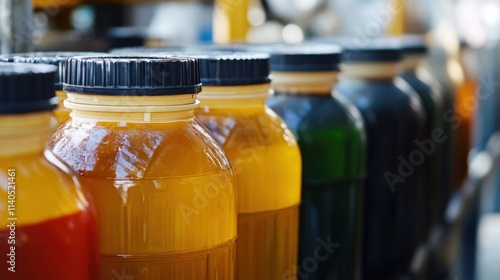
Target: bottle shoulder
column 393, row 99
column 330, row 133
column 138, row 150
column 429, row 92
column 232, row 129
column 42, row 186
column 420, row 87
column 318, row 112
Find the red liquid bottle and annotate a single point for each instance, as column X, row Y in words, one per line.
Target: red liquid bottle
column 52, row 230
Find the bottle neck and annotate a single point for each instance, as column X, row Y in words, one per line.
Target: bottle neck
column 370, row 70
column 411, row 62
column 304, row 82
column 25, row 134
column 137, row 109
column 249, row 96
column 61, row 96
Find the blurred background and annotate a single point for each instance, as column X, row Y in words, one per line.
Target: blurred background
column 464, row 57
column 69, row 24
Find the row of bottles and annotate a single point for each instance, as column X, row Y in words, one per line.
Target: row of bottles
column 335, row 176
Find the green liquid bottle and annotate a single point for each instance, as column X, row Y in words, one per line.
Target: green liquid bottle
column 330, row 133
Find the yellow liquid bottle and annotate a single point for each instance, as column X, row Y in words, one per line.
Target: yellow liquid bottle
column 51, row 230
column 164, row 189
column 265, row 158
column 57, row 59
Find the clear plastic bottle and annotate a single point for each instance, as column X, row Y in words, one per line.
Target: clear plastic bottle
column 164, row 189
column 331, row 137
column 395, row 121
column 57, row 59
column 51, row 230
column 265, row 158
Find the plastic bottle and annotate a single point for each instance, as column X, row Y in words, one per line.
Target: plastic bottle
column 465, row 105
column 49, row 227
column 265, row 158
column 395, row 121
column 331, row 137
column 57, row 59
column 164, row 189
column 435, row 194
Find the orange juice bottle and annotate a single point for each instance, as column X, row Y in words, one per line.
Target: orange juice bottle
column 264, row 156
column 164, row 189
column 57, row 59
column 49, row 229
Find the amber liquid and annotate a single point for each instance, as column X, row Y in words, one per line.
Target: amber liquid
column 213, row 263
column 464, row 108
column 267, row 244
column 56, row 235
column 61, row 113
column 165, row 197
column 61, row 116
column 266, row 160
